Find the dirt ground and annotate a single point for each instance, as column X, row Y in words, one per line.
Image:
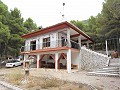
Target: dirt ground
column 100, row 82
column 3, row 87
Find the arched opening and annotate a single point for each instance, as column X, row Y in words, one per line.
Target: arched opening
column 62, row 61
column 47, row 61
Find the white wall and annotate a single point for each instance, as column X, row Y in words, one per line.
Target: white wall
column 39, row 39
column 75, row 58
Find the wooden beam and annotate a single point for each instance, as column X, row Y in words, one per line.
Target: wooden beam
column 60, row 57
column 42, row 57
column 84, row 40
column 64, row 55
column 75, row 35
column 53, row 56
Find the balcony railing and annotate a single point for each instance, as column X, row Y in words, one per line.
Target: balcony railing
column 50, row 44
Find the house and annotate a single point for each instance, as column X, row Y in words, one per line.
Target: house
column 57, row 46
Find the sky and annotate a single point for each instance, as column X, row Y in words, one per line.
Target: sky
column 49, row 12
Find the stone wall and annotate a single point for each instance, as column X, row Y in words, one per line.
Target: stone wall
column 91, row 60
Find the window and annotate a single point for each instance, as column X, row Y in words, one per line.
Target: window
column 33, row 45
column 46, row 42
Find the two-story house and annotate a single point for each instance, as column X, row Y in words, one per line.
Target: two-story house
column 57, row 46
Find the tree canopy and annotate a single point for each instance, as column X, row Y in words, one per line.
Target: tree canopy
column 30, row 25
column 12, row 26
column 105, row 25
column 101, row 27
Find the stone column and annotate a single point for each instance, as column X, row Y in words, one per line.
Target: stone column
column 56, row 61
column 69, row 61
column 38, row 61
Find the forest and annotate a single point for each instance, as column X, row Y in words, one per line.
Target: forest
column 105, row 25
column 12, row 26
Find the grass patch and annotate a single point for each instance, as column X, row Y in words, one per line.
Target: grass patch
column 53, row 82
column 42, row 82
column 32, row 82
column 15, row 77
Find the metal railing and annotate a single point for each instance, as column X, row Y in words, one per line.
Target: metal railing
column 74, row 44
column 51, row 44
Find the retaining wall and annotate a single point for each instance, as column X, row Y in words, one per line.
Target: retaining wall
column 91, row 60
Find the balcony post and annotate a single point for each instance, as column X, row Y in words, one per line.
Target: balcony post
column 68, row 37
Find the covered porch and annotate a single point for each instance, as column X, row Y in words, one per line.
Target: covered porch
column 63, row 59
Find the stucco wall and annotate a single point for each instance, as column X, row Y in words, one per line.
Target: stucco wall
column 39, row 39
column 75, row 58
column 91, row 60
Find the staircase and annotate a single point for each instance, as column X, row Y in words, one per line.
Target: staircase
column 113, row 69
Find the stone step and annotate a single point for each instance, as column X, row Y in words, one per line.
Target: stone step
column 110, row 68
column 103, row 74
column 113, row 72
column 114, row 64
column 108, row 71
column 115, row 60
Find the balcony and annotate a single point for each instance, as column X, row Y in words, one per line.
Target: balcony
column 50, row 44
